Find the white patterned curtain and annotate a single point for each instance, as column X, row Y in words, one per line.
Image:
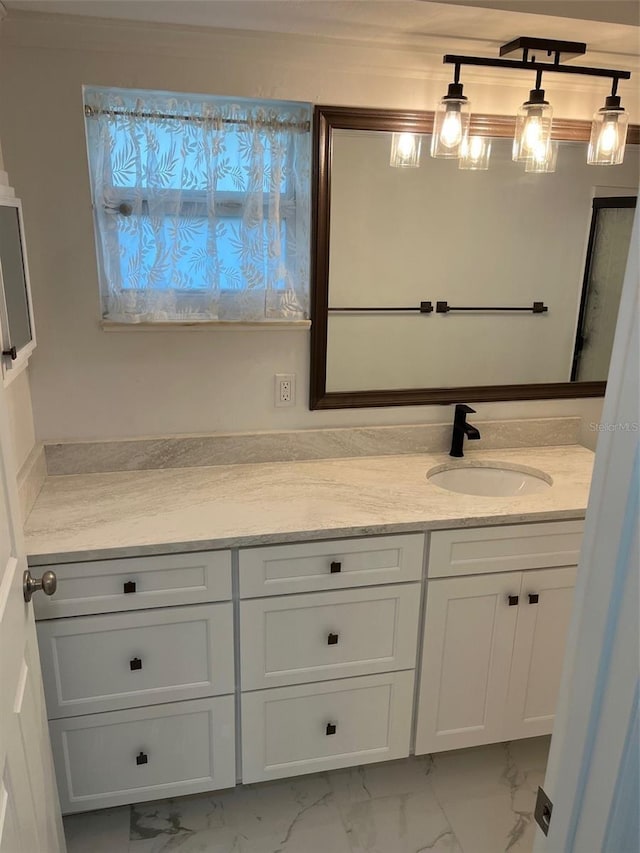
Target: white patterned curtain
column 201, row 207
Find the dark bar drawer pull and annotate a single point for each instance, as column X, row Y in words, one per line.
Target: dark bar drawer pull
column 331, row 728
column 142, row 758
column 130, row 586
column 336, row 567
column 533, row 598
column 513, row 600
column 332, row 640
column 11, row 353
column 135, row 663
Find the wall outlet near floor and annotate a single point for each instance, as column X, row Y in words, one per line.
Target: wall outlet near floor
column 285, row 389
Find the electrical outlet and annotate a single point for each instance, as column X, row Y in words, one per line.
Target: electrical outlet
column 285, row 389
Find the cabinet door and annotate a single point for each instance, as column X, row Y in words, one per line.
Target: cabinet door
column 543, row 619
column 467, row 648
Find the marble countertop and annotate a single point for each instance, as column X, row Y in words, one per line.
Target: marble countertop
column 98, row 516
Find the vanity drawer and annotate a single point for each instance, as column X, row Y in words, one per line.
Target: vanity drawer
column 144, row 754
column 106, row 586
column 504, row 549
column 124, row 660
column 323, row 635
column 294, row 730
column 309, row 566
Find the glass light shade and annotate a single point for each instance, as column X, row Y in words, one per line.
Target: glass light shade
column 450, row 123
column 533, row 126
column 405, row 150
column 543, row 158
column 608, row 134
column 474, row 153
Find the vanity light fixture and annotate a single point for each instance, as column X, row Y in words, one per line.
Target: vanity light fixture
column 533, row 124
column 451, row 121
column 474, row 153
column 608, row 132
column 405, row 150
column 532, row 136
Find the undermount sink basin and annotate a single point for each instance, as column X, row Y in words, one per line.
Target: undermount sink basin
column 501, row 480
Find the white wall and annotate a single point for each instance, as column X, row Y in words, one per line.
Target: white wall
column 18, row 398
column 87, row 383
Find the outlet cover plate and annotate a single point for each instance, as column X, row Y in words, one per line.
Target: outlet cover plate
column 285, row 389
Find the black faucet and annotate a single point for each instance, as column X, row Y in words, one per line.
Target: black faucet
column 462, row 428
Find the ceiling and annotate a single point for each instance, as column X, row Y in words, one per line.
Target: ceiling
column 608, row 26
column 611, row 11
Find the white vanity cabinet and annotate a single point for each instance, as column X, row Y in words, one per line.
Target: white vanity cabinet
column 150, row 663
column 328, row 676
column 494, row 637
column 140, row 692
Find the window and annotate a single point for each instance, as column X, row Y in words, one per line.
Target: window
column 201, row 206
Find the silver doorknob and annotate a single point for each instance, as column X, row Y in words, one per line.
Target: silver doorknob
column 48, row 583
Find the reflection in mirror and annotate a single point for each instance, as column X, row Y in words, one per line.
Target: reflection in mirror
column 16, row 319
column 609, row 239
column 489, row 240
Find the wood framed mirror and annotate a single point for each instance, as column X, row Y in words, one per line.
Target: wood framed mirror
column 438, row 284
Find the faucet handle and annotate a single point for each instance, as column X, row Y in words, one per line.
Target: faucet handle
column 462, row 407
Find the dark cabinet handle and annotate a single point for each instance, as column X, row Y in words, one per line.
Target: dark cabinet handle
column 142, row 758
column 513, row 600
column 336, row 567
column 331, row 728
column 12, row 353
column 332, row 640
column 135, row 663
column 533, row 598
column 130, row 586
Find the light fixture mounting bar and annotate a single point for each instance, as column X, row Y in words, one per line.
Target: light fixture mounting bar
column 560, row 50
column 546, row 67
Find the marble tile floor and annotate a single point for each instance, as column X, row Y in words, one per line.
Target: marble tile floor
column 478, row 800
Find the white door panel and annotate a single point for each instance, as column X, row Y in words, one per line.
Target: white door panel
column 544, row 613
column 29, row 808
column 468, row 641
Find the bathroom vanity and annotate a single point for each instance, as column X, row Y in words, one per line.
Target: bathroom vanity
column 388, row 616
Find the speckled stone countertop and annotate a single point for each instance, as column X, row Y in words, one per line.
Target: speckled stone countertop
column 98, row 516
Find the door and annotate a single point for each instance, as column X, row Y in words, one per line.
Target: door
column 470, row 627
column 544, row 612
column 593, row 777
column 29, row 810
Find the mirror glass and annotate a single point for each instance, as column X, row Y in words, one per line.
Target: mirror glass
column 14, row 280
column 478, row 241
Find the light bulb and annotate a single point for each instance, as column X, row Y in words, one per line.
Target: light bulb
column 543, row 158
column 477, row 147
column 474, row 153
column 406, row 144
column 405, row 150
column 532, row 133
column 539, row 152
column 608, row 140
column 451, row 132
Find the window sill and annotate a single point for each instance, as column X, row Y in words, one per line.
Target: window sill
column 214, row 325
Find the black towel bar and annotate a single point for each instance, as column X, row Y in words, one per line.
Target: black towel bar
column 536, row 308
